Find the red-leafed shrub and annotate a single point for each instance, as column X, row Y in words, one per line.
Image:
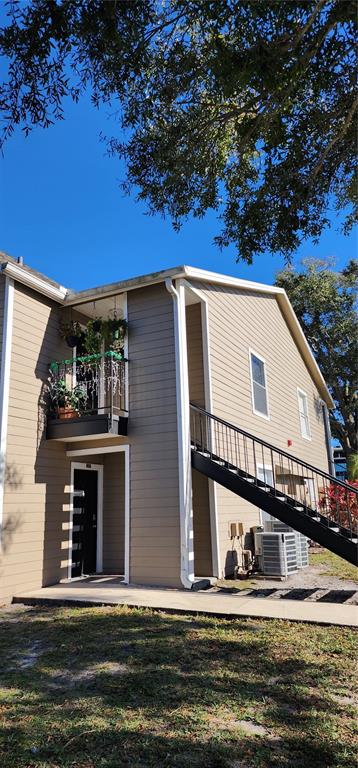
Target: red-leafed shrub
column 340, row 505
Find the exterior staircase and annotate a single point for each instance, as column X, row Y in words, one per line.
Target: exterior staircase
column 298, row 494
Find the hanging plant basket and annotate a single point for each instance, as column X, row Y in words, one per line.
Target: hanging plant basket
column 73, row 341
column 71, row 332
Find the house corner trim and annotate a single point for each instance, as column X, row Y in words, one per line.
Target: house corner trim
column 5, row 386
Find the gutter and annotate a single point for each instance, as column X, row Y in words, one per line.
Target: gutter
column 184, row 452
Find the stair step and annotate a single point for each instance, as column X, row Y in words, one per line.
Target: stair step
column 219, row 462
column 281, row 498
column 204, row 453
column 298, row 507
column 354, row 541
column 234, row 471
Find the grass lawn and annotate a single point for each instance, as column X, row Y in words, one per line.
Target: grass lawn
column 332, row 565
column 112, row 687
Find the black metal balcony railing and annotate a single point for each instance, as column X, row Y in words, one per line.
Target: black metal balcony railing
column 94, row 384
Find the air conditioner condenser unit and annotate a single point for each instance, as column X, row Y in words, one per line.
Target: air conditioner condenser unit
column 277, row 553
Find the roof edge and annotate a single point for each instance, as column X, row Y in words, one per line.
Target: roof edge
column 24, row 276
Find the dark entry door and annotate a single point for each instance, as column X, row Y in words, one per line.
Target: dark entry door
column 84, row 531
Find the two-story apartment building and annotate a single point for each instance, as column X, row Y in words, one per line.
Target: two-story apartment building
column 110, row 487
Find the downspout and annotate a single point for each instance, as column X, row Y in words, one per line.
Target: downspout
column 328, row 437
column 184, row 452
column 5, row 387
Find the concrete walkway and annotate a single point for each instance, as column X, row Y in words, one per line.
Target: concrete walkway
column 112, row 591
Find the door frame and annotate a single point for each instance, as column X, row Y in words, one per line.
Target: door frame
column 99, row 546
column 74, row 452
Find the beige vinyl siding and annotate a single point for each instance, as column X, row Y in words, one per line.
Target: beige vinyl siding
column 36, row 499
column 195, row 355
column 241, row 320
column 154, row 492
column 113, row 513
column 201, row 525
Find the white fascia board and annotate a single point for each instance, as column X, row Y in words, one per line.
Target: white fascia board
column 16, row 272
column 226, row 280
column 304, row 347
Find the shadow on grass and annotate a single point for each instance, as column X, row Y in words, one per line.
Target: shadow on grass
column 111, row 687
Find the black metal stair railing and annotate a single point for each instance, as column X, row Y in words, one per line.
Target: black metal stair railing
column 308, row 490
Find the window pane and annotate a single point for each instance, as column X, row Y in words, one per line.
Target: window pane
column 260, row 399
column 303, row 414
column 258, row 372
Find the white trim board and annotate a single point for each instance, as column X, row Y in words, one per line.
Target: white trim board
column 94, row 451
column 213, row 506
column 5, row 385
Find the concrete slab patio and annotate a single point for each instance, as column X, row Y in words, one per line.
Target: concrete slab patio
column 112, row 591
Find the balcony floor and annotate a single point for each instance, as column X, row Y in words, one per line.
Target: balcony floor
column 91, row 426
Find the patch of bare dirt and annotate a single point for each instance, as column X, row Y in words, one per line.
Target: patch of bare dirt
column 67, row 678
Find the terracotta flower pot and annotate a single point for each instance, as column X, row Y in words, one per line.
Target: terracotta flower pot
column 66, row 413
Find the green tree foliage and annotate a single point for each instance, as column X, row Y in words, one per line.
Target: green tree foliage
column 325, row 304
column 245, row 107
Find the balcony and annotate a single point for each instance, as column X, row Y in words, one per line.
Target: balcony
column 88, row 397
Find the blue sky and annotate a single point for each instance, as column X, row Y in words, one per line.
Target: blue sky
column 62, row 210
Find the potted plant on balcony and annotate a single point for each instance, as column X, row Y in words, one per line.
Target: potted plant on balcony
column 72, row 333
column 60, row 397
column 67, row 403
column 79, row 400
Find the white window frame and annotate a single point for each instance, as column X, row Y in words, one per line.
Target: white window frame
column 306, row 415
column 254, row 409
